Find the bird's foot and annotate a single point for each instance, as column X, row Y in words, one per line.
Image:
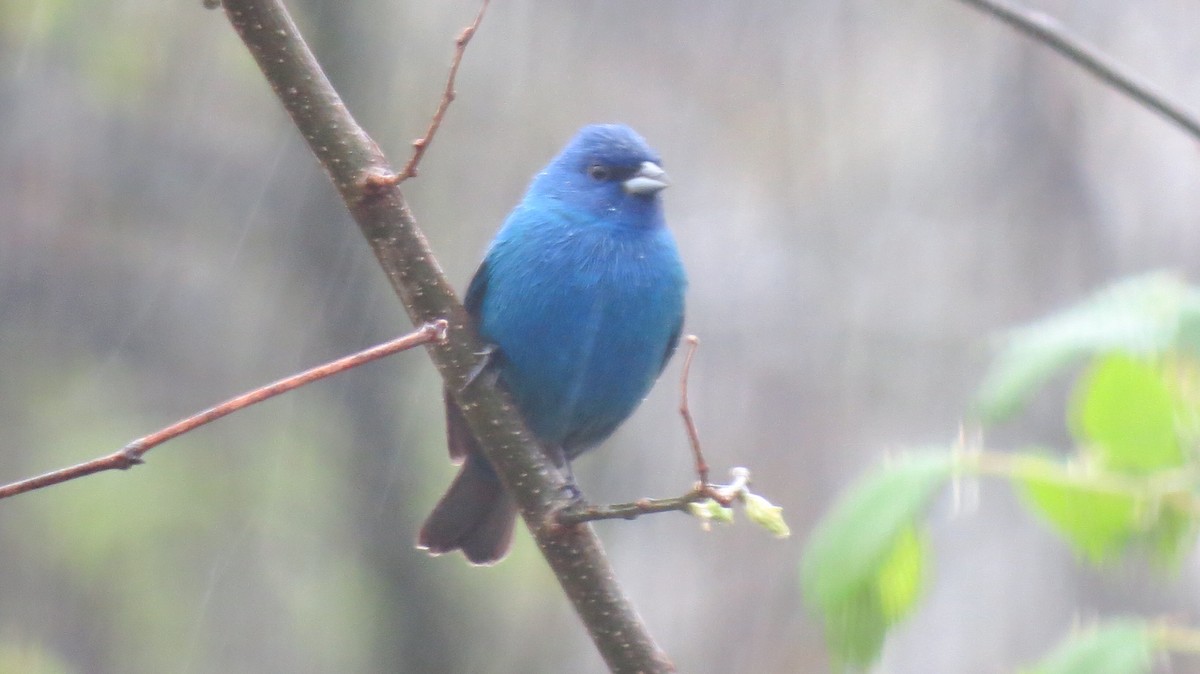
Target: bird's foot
column 573, row 496
column 487, row 359
column 572, row 502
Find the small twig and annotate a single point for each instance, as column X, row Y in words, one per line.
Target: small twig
column 685, row 411
column 628, row 511
column 1047, row 30
column 723, row 494
column 131, row 455
column 448, row 94
column 703, row 489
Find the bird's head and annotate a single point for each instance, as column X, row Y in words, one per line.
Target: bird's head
column 608, row 171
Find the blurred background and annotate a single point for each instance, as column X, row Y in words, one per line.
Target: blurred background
column 864, row 193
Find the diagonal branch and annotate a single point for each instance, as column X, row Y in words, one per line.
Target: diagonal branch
column 1047, row 30
column 355, row 164
column 131, row 455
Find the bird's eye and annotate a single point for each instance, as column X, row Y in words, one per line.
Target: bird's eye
column 598, row 173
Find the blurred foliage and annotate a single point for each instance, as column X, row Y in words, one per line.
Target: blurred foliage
column 1119, row 647
column 865, row 561
column 1132, row 483
column 1125, row 416
column 17, row 657
column 191, row 509
column 1145, row 316
column 1096, row 518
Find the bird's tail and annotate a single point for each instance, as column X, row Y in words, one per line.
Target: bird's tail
column 475, row 515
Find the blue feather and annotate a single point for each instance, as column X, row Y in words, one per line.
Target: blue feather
column 582, row 294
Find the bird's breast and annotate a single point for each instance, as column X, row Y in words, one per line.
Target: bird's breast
column 583, row 320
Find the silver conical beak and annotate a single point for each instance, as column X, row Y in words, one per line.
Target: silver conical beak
column 649, row 179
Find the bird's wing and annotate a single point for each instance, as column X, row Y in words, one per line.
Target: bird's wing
column 476, row 290
column 459, row 438
column 672, row 343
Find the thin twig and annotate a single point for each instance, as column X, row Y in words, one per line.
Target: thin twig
column 685, row 411
column 131, row 455
column 629, row 511
column 725, row 494
column 448, row 94
column 1047, row 30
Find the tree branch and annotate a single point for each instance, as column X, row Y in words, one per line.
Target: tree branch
column 630, row 511
column 420, row 145
column 354, row 164
column 1047, row 30
column 723, row 494
column 131, row 455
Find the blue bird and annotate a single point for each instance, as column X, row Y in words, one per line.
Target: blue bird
column 581, row 294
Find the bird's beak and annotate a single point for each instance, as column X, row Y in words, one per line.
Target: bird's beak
column 649, row 179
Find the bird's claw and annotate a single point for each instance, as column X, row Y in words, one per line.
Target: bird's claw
column 573, row 495
column 487, row 357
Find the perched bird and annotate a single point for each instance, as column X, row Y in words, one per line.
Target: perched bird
column 581, row 296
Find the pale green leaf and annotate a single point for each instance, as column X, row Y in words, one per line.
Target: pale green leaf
column 1144, row 315
column 847, row 548
column 1121, row 647
column 1171, row 536
column 1096, row 518
column 855, row 629
column 766, row 515
column 1125, row 413
column 863, row 566
column 900, row 576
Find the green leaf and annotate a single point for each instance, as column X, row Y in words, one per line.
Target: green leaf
column 765, row 514
column 1181, row 376
column 1171, row 536
column 1096, row 518
column 1144, row 315
column 851, row 543
column 900, row 576
column 863, row 566
column 708, row 511
column 1122, row 647
column 1187, row 340
column 855, row 629
column 1125, row 412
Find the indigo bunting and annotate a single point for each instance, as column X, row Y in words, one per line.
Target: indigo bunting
column 581, row 296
